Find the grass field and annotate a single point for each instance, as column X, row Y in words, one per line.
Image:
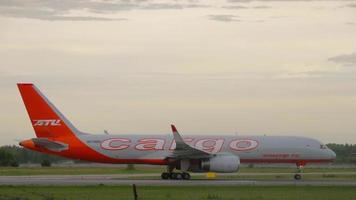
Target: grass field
column 21, row 171
column 102, row 192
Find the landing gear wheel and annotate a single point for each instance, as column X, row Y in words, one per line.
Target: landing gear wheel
column 173, row 175
column 165, row 175
column 179, row 176
column 297, row 176
column 185, row 176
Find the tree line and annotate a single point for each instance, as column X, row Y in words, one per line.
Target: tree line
column 15, row 155
column 345, row 153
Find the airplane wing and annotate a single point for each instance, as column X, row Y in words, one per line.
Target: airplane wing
column 50, row 145
column 184, row 150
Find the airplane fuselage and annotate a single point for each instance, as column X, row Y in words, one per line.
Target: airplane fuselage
column 153, row 149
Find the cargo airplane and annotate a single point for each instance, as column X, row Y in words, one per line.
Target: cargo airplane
column 195, row 153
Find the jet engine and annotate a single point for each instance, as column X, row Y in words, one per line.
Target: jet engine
column 224, row 163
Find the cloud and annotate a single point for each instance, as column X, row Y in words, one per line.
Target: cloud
column 49, row 10
column 224, row 18
column 54, row 10
column 245, row 7
column 231, row 18
column 351, row 5
column 345, row 59
column 261, row 7
column 235, row 7
column 81, row 18
column 324, row 74
column 160, row 6
column 50, row 15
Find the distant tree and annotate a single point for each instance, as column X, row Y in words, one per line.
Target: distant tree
column 130, row 167
column 344, row 152
column 6, row 158
column 14, row 164
column 46, row 163
column 22, row 155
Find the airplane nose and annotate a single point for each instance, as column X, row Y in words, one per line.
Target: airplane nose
column 332, row 154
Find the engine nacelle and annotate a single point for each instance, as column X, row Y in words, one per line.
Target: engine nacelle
column 221, row 163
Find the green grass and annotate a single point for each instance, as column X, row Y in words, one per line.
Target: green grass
column 101, row 192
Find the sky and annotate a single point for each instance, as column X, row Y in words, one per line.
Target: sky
column 231, row 67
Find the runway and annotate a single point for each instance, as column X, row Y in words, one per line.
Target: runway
column 148, row 181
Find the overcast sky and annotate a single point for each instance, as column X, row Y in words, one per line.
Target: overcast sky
column 216, row 67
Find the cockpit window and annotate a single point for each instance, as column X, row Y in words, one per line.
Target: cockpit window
column 323, row 146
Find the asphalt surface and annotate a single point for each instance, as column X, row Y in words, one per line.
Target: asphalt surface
column 130, row 179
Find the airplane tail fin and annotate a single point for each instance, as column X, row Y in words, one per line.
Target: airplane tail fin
column 46, row 119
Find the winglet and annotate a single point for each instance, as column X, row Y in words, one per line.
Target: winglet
column 183, row 149
column 174, row 129
column 178, row 139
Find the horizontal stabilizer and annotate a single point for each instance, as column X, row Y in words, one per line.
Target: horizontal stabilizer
column 46, row 144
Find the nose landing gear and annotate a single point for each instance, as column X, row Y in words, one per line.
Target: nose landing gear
column 300, row 166
column 297, row 176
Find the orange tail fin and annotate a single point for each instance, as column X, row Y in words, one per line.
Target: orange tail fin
column 46, row 119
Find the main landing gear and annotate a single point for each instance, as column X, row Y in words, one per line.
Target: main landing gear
column 175, row 176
